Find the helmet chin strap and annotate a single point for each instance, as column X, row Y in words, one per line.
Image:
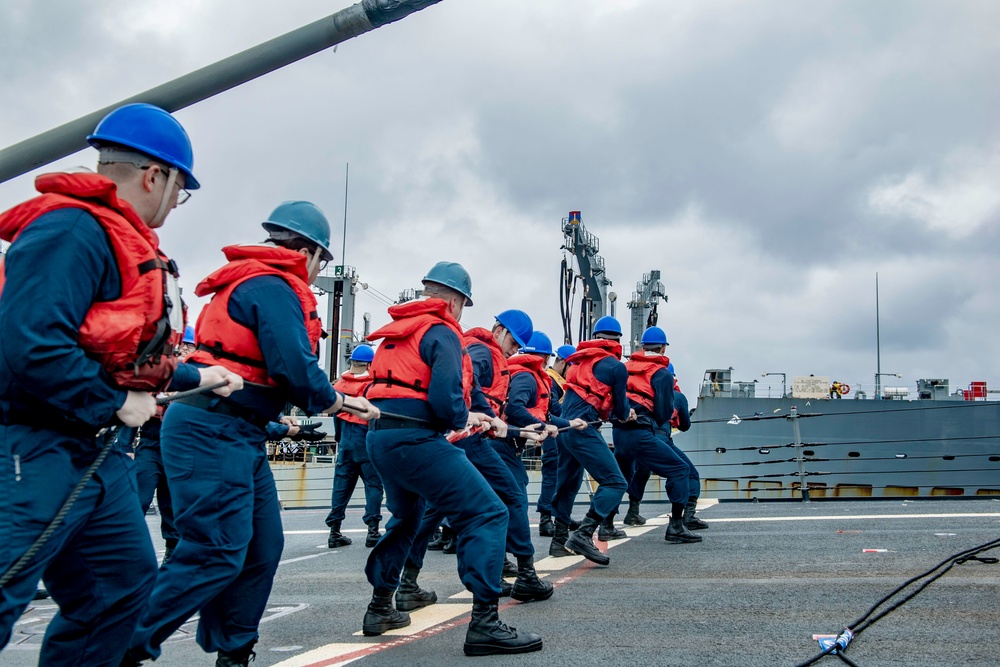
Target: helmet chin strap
column 161, row 212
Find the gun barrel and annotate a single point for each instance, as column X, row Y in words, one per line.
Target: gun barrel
column 213, row 79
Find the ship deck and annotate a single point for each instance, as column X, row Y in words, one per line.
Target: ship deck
column 767, row 577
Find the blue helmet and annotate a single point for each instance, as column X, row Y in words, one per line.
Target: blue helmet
column 608, row 325
column 301, row 218
column 563, row 351
column 188, row 335
column 363, row 354
column 151, row 131
column 518, row 324
column 539, row 344
column 654, row 336
column 452, row 275
column 670, row 368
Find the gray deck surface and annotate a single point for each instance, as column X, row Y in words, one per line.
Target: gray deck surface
column 753, row 593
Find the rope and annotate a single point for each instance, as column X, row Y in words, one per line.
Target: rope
column 872, row 616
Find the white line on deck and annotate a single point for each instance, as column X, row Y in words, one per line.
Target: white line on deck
column 847, row 517
column 295, row 560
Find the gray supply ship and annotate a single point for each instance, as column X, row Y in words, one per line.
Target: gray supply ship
column 935, row 443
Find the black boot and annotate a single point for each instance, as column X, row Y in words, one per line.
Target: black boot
column 528, row 587
column 240, row 657
column 691, row 522
column 371, row 539
column 487, row 635
column 560, row 532
column 677, row 533
column 608, row 532
column 581, row 540
column 545, row 527
column 381, row 616
column 410, row 595
column 632, row 517
column 336, row 539
column 509, row 569
column 437, row 541
column 449, row 541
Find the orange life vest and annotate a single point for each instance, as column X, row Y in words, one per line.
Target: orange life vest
column 675, row 420
column 397, row 370
column 131, row 336
column 225, row 342
column 534, row 364
column 641, row 369
column 352, row 385
column 496, row 393
column 580, row 376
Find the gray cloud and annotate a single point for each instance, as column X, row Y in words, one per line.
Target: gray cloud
column 768, row 158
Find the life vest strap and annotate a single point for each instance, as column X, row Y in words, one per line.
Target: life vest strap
column 217, row 351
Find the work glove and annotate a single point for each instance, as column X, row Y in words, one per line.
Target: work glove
column 309, row 433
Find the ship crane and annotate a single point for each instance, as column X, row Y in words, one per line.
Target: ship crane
column 584, row 248
column 645, row 298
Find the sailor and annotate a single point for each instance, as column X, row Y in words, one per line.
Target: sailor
column 422, row 376
column 550, row 446
column 681, row 421
column 651, row 391
column 90, row 316
column 261, row 324
column 488, row 350
column 529, row 402
column 352, row 456
column 595, row 391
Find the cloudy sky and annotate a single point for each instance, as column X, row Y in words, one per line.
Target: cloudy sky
column 769, row 158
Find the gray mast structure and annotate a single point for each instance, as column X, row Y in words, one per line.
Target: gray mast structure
column 585, row 247
column 645, row 298
column 221, row 76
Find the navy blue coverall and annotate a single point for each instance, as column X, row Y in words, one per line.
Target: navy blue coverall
column 587, row 449
column 352, row 463
column 99, row 566
column 150, row 477
column 637, row 485
column 523, row 394
column 550, row 457
column 225, row 502
column 637, row 442
column 420, row 468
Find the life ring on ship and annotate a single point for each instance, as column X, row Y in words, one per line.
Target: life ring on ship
column 843, row 389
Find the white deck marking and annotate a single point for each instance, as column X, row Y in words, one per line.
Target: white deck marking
column 324, row 532
column 553, row 564
column 295, row 560
column 421, row 619
column 852, row 517
column 323, row 653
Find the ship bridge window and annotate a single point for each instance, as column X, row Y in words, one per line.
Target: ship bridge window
column 854, row 455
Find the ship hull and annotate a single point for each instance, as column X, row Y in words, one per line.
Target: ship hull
column 851, row 448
